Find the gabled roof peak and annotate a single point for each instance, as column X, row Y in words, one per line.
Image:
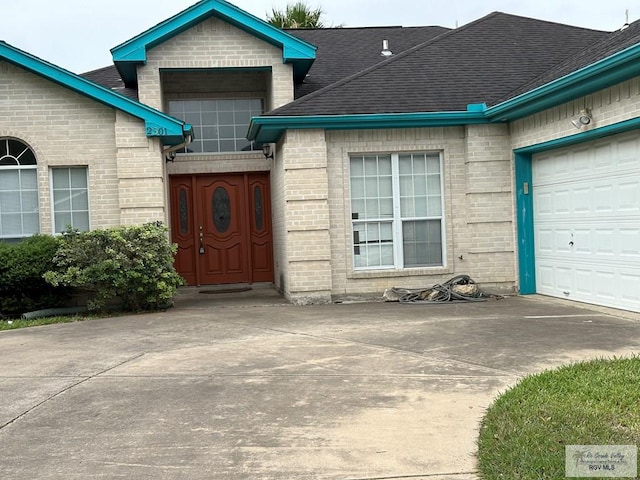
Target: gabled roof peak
column 133, row 52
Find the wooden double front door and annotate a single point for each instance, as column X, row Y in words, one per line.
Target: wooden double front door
column 222, row 226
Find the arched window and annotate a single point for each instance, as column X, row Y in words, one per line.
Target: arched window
column 19, row 216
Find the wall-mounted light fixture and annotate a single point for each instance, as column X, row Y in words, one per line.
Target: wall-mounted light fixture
column 267, row 151
column 583, row 119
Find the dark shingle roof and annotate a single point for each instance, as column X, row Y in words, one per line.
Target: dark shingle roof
column 433, row 69
column 110, row 78
column 478, row 63
column 611, row 44
column 341, row 52
column 345, row 51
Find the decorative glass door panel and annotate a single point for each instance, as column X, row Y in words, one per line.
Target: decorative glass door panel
column 182, row 230
column 260, row 229
column 222, row 240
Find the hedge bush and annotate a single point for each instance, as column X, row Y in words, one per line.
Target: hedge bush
column 133, row 264
column 22, row 265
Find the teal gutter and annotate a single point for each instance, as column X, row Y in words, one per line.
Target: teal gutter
column 524, row 192
column 133, row 52
column 599, row 75
column 157, row 124
column 268, row 129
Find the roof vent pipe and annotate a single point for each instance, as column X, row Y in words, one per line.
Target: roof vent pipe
column 626, row 22
column 385, row 49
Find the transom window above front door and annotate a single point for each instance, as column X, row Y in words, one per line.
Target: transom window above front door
column 219, row 125
column 397, row 211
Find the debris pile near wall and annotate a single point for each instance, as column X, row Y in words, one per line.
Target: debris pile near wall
column 459, row 288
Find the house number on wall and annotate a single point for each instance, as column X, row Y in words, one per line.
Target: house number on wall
column 155, row 131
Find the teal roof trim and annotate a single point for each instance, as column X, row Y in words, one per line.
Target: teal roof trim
column 614, row 69
column 596, row 133
column 134, row 51
column 158, row 124
column 268, row 129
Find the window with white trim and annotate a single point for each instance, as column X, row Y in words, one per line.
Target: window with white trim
column 219, row 125
column 397, row 210
column 19, row 211
column 70, row 198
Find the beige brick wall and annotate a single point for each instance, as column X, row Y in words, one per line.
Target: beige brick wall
column 611, row 105
column 218, row 163
column 489, row 236
column 301, row 217
column 64, row 129
column 215, row 44
column 478, row 206
column 278, row 213
column 141, row 173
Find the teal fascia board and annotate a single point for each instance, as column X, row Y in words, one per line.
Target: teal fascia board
column 596, row 133
column 295, row 51
column 269, row 129
column 609, row 71
column 157, row 124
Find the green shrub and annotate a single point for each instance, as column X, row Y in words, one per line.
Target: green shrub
column 22, row 265
column 132, row 264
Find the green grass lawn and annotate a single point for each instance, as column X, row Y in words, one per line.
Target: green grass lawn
column 524, row 433
column 12, row 324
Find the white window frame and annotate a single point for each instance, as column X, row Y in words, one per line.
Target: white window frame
column 53, row 205
column 397, row 219
column 19, row 167
column 200, row 126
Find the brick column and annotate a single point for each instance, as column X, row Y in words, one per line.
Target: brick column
column 304, row 210
column 489, row 213
column 140, row 166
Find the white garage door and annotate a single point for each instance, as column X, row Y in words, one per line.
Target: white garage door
column 587, row 222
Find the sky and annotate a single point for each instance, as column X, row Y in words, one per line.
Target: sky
column 78, row 34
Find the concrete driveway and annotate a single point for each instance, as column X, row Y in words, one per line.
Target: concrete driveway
column 244, row 386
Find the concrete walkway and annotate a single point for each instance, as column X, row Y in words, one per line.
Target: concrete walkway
column 244, row 386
